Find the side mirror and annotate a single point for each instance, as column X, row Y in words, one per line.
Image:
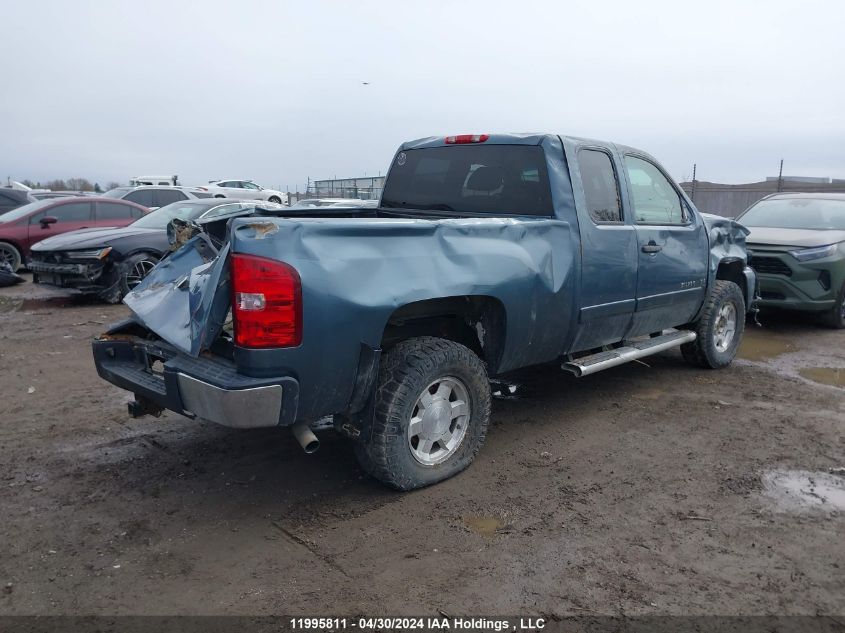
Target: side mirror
column 47, row 220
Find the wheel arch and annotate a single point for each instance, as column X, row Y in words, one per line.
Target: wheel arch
column 143, row 250
column 733, row 269
column 476, row 321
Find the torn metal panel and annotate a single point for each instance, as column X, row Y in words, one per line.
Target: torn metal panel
column 727, row 240
column 185, row 298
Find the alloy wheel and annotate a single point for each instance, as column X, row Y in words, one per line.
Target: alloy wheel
column 725, row 329
column 439, row 421
column 137, row 273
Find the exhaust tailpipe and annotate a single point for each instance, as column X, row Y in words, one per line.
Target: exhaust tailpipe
column 306, row 438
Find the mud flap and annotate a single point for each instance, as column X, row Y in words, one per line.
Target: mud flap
column 185, row 298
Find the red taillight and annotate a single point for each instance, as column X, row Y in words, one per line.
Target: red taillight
column 466, row 138
column 266, row 303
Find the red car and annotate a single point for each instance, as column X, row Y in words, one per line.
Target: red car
column 31, row 223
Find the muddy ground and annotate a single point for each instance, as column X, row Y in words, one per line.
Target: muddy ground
column 657, row 489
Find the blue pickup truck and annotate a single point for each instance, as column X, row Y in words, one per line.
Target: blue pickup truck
column 486, row 254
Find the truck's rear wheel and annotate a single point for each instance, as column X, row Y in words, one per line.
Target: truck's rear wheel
column 719, row 329
column 431, row 413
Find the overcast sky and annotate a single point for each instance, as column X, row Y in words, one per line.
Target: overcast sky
column 273, row 90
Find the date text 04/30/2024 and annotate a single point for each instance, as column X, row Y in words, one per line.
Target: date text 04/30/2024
column 419, row 624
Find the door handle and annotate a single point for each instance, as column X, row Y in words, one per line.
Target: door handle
column 651, row 247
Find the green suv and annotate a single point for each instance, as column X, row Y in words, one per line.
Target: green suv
column 797, row 247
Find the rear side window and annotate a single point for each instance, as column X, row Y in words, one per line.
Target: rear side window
column 169, row 196
column 115, row 211
column 144, row 197
column 601, row 189
column 655, row 199
column 72, row 212
column 490, row 179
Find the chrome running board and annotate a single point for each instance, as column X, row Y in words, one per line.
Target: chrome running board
column 586, row 365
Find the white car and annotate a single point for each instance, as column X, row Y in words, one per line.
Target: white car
column 244, row 190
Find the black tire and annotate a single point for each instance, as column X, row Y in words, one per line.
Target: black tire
column 274, row 199
column 406, row 372
column 703, row 351
column 132, row 271
column 835, row 317
column 11, row 255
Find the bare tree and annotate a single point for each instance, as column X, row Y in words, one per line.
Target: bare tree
column 79, row 184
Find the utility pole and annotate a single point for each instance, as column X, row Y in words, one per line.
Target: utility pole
column 780, row 177
column 692, row 193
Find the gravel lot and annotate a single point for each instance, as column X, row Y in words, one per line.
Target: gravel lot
column 646, row 489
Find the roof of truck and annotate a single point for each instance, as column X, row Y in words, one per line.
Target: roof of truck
column 512, row 139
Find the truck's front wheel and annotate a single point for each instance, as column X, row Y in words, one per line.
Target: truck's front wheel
column 432, row 408
column 719, row 329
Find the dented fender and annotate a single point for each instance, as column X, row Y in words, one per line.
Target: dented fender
column 727, row 244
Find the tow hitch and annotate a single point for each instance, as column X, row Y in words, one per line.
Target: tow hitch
column 140, row 407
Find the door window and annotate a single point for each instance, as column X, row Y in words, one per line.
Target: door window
column 250, row 185
column 169, row 196
column 72, row 212
column 601, row 189
column 144, row 197
column 114, row 211
column 654, row 198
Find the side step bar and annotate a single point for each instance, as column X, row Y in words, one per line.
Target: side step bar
column 587, row 365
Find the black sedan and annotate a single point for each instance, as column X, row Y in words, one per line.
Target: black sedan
column 109, row 262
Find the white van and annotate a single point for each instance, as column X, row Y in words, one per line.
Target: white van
column 137, row 181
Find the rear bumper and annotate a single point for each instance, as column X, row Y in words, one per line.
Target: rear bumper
column 208, row 388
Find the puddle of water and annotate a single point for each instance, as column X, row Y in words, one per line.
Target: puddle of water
column 758, row 345
column 486, row 526
column 834, row 376
column 797, row 490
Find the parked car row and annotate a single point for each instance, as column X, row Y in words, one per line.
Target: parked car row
column 109, row 262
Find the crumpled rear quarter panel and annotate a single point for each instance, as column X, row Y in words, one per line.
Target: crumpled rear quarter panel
column 355, row 272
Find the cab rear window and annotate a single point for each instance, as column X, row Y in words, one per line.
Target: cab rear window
column 489, row 179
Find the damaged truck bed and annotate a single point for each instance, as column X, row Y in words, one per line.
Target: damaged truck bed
column 486, row 254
